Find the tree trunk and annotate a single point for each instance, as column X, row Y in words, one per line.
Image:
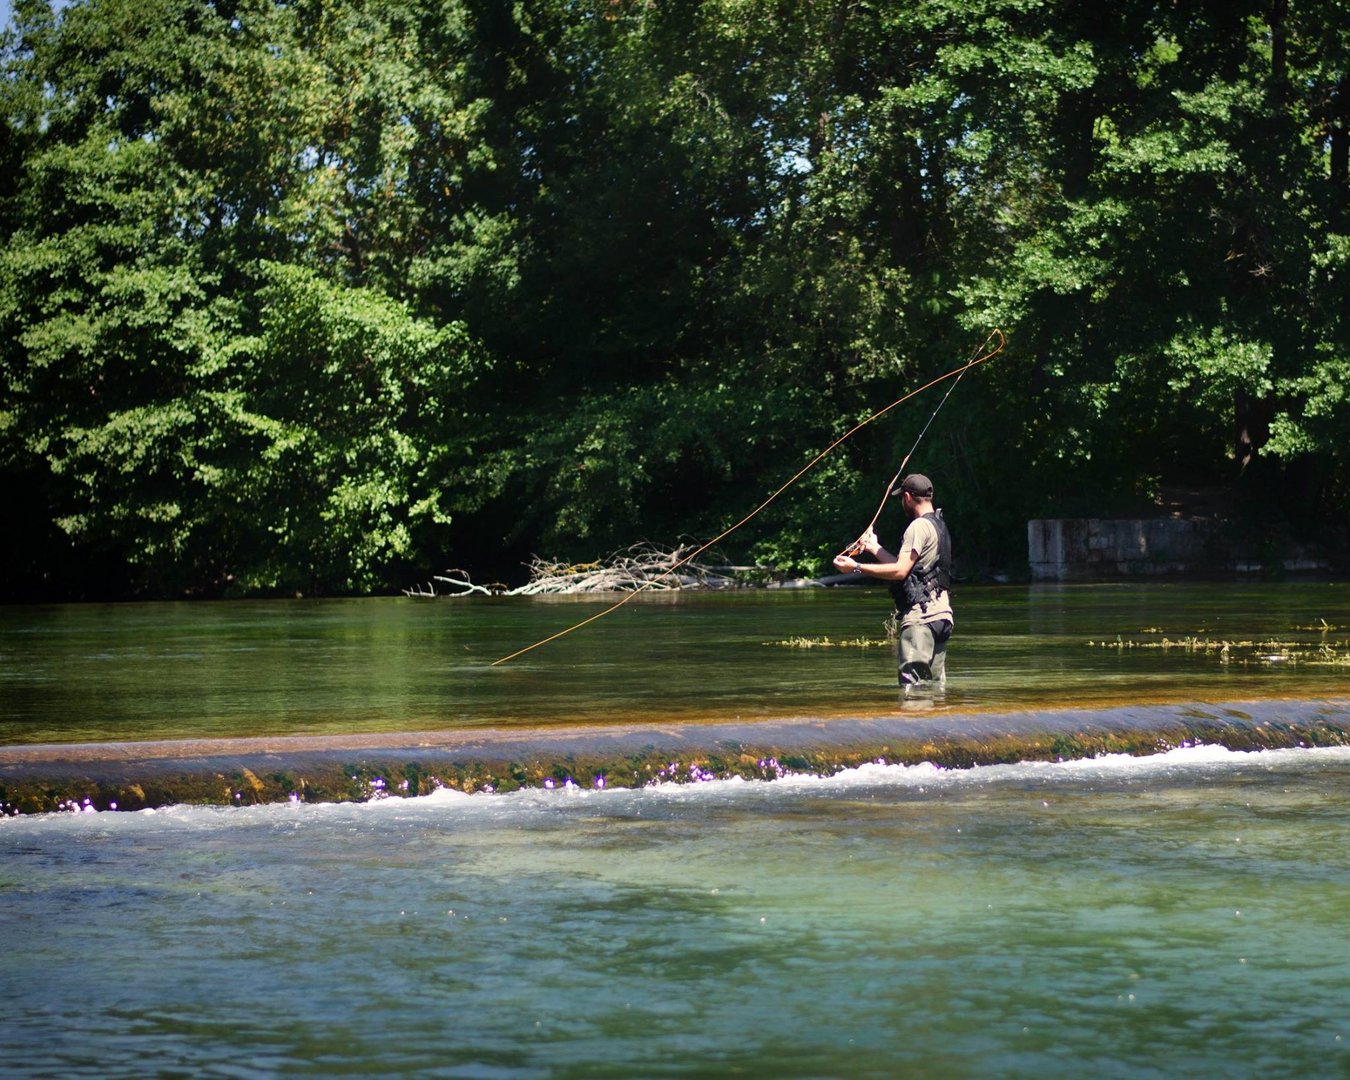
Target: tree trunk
column 1252, row 428
column 1338, row 130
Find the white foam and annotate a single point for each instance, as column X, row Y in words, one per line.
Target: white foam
column 1195, row 760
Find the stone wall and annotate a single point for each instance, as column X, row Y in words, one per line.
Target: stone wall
column 1096, row 549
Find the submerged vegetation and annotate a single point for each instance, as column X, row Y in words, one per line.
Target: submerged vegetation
column 830, row 643
column 1269, row 651
column 326, row 297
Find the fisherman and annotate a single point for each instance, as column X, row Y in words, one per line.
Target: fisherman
column 920, row 581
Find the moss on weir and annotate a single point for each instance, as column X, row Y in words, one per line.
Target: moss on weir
column 622, row 758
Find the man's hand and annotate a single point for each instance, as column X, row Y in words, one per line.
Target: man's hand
column 845, row 564
column 867, row 542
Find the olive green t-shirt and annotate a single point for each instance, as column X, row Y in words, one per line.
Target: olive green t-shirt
column 922, row 536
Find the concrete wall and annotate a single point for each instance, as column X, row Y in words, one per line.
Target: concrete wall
column 1094, row 549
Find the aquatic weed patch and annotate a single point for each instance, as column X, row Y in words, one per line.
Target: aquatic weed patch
column 829, row 643
column 1266, row 652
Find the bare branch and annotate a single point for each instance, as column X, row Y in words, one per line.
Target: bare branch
column 642, row 566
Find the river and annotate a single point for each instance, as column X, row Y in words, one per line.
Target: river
column 313, row 667
column 1180, row 914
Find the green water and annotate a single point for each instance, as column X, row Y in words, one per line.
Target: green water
column 1180, row 916
column 136, row 671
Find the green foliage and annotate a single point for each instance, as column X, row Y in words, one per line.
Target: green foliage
column 350, row 423
column 301, row 295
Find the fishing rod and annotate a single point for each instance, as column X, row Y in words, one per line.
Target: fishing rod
column 988, row 349
column 995, row 335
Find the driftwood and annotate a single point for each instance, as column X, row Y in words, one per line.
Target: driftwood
column 460, row 585
column 642, row 566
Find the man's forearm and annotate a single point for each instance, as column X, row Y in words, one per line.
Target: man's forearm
column 885, row 571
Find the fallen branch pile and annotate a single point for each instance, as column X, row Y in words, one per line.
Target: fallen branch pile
column 642, row 566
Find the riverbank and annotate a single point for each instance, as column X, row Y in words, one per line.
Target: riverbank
column 353, row 768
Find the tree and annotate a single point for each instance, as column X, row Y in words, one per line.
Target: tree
column 143, row 376
column 286, row 285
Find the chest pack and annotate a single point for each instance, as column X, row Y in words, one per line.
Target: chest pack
column 921, row 587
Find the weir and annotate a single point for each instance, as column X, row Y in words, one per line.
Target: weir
column 346, row 768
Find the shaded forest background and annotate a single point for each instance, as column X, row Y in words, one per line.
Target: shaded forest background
column 326, row 296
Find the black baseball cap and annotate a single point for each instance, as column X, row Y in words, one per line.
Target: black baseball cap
column 917, row 485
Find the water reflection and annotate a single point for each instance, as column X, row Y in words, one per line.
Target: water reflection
column 137, row 671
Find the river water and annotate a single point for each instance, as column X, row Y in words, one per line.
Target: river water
column 147, row 671
column 1181, row 915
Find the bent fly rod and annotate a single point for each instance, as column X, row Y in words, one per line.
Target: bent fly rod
column 978, row 357
column 987, row 350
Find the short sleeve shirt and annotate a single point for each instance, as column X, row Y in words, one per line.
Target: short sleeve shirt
column 921, row 536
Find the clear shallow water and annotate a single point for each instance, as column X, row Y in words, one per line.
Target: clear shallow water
column 1181, row 916
column 138, row 671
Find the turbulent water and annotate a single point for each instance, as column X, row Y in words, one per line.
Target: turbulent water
column 1183, row 915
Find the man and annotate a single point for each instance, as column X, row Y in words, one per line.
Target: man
column 920, row 579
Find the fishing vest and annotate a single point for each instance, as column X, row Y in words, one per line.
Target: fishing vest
column 923, row 586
